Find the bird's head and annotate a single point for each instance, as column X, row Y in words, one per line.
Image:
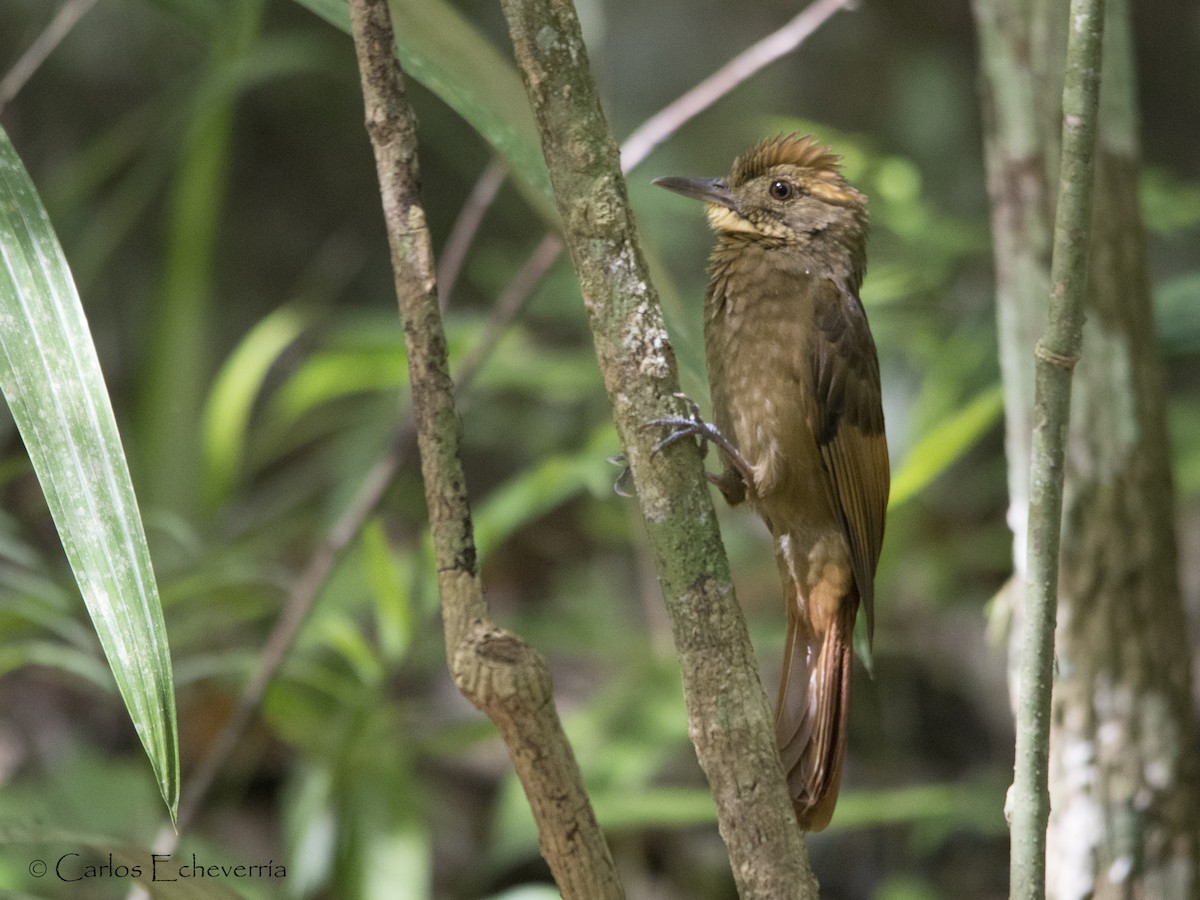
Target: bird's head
column 785, row 190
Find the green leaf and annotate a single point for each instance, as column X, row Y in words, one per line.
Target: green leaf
column 55, row 655
column 945, row 443
column 51, row 377
column 1170, row 205
column 1184, row 423
column 388, row 576
column 226, row 419
column 176, row 364
column 336, row 372
column 537, row 490
column 654, row 807
column 941, row 807
column 447, row 54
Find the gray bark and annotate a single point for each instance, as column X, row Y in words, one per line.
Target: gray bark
column 1124, row 788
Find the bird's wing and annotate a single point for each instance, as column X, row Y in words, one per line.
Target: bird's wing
column 849, row 429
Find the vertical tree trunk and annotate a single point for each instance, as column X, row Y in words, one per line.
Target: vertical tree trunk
column 1125, row 791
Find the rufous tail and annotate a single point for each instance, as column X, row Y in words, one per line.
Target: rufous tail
column 814, row 701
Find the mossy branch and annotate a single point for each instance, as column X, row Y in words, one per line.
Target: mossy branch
column 1056, row 355
column 730, row 721
column 495, row 670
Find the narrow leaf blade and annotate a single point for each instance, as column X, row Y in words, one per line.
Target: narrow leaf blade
column 946, row 443
column 51, row 378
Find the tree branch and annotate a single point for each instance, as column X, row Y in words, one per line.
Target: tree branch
column 306, row 588
column 729, row 719
column 495, row 670
column 652, row 132
column 749, row 62
column 23, row 69
column 466, row 226
column 1056, row 354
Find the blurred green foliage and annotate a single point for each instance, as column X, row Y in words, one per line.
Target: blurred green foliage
column 205, row 166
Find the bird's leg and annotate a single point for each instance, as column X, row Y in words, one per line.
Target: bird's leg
column 693, row 425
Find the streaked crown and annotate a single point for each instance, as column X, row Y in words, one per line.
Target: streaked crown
column 793, row 150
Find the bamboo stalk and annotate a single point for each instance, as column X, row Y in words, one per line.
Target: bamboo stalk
column 1056, row 355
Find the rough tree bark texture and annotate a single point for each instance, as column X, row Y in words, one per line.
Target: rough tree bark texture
column 729, row 719
column 1125, row 793
column 495, row 670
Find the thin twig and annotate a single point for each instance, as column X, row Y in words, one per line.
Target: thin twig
column 1056, row 354
column 658, row 128
column 296, row 608
column 466, row 226
column 750, row 61
column 31, row 60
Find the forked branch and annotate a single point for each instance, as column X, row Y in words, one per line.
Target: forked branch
column 494, row 669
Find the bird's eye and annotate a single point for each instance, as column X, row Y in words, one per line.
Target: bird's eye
column 781, row 190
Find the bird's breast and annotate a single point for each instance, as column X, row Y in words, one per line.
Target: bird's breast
column 758, row 340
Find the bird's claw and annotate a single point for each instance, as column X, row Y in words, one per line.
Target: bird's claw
column 619, row 486
column 693, row 425
column 684, row 428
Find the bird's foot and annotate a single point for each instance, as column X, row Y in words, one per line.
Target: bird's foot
column 693, row 425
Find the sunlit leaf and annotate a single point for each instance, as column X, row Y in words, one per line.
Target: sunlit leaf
column 388, row 578
column 337, row 372
column 310, row 828
column 945, row 807
column 945, row 443
column 226, row 418
column 51, row 377
column 537, row 490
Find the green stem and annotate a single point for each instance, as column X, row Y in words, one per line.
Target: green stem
column 1056, row 354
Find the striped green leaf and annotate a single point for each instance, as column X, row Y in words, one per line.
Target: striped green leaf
column 51, row 378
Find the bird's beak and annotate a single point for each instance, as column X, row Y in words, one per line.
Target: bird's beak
column 710, row 190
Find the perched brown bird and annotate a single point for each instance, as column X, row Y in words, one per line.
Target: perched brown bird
column 798, row 416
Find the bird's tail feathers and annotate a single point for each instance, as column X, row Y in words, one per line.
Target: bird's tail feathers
column 812, row 707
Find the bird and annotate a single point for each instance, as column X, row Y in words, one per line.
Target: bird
column 798, row 419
